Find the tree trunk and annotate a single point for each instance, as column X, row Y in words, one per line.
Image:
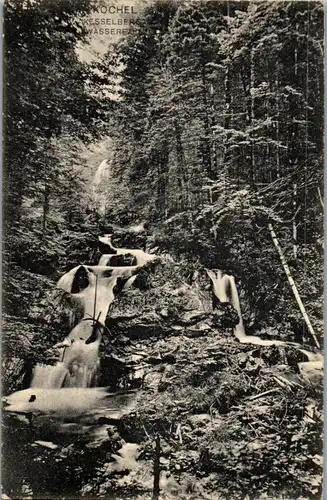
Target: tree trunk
column 277, row 122
column 162, row 161
column 253, row 173
column 247, row 78
column 294, row 221
column 156, row 470
column 228, row 100
column 213, row 122
column 293, row 286
column 13, row 193
column 228, row 105
column 205, row 139
column 181, row 175
column 46, row 206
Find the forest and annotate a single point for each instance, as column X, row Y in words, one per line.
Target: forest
column 207, row 122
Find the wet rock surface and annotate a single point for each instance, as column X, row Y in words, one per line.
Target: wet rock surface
column 167, row 305
column 222, row 409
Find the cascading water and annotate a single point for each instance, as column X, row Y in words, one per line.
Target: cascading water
column 74, row 377
column 142, row 257
column 224, row 288
column 50, row 377
column 95, row 287
column 100, row 181
column 239, row 329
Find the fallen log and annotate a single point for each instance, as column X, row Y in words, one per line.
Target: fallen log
column 293, row 285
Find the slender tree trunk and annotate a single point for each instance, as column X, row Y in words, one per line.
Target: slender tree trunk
column 13, row 193
column 253, row 173
column 162, row 161
column 205, row 140
column 277, row 122
column 156, row 470
column 321, row 199
column 46, row 206
column 213, row 122
column 228, row 100
column 296, row 113
column 294, row 221
column 182, row 178
column 267, row 175
column 293, row 286
column 247, row 78
column 296, row 54
column 228, row 106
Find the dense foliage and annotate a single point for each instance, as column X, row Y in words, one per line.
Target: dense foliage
column 217, row 132
column 212, row 87
column 213, row 128
column 49, row 114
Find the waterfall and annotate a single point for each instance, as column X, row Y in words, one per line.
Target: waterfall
column 95, row 287
column 142, row 257
column 104, row 259
column 50, row 377
column 239, row 329
column 80, row 360
column 221, row 284
column 71, row 383
column 224, row 288
column 100, row 182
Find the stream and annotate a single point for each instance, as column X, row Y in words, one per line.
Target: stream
column 64, row 412
column 63, row 407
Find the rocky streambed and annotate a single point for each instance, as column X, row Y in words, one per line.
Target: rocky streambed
column 230, row 417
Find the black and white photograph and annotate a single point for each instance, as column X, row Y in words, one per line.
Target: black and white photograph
column 163, row 250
